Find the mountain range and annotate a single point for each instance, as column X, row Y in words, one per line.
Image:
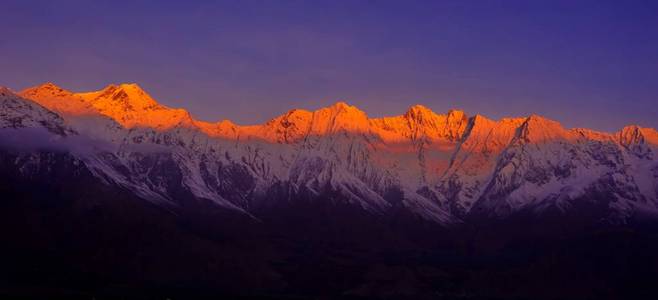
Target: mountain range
column 110, row 194
column 444, row 168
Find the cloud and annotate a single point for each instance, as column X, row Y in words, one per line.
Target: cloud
column 40, row 139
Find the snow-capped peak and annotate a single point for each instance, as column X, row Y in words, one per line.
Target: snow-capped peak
column 537, row 129
column 419, row 112
column 131, row 106
column 17, row 112
column 634, row 134
column 339, row 117
column 58, row 99
column 129, row 95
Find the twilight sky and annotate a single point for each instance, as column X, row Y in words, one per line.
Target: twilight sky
column 584, row 63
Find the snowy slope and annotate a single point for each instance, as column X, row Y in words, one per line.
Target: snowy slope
column 16, row 112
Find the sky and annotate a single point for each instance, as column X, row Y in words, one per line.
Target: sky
column 584, row 63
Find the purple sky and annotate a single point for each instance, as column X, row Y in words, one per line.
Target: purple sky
column 584, row 63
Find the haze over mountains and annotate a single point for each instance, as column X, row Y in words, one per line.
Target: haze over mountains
column 444, row 168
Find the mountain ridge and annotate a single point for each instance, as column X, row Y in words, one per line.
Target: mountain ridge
column 439, row 167
column 132, row 95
